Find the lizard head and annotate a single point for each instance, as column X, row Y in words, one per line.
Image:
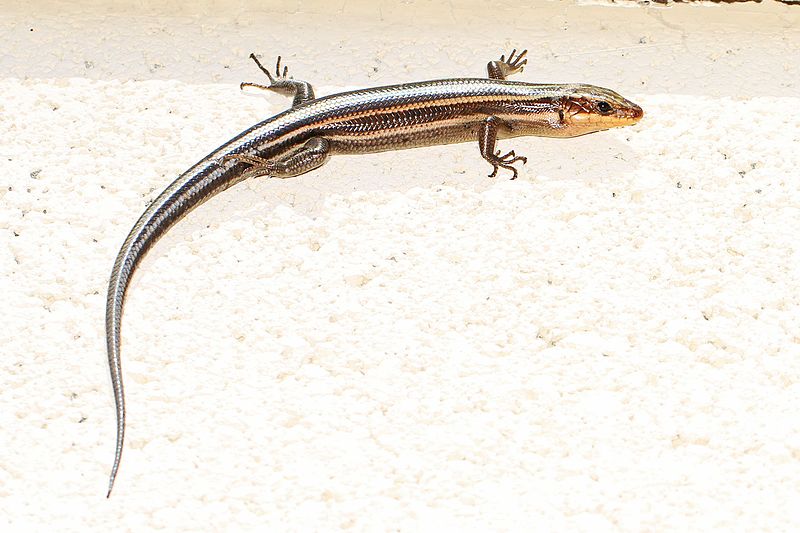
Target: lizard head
column 588, row 109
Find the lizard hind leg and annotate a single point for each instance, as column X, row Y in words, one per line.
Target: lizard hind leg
column 311, row 155
column 282, row 83
column 502, row 69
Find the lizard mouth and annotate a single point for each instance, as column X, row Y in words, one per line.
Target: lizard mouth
column 634, row 113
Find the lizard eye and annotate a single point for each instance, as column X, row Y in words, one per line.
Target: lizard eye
column 604, row 107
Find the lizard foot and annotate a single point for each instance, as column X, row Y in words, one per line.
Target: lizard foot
column 506, row 161
column 277, row 82
column 514, row 64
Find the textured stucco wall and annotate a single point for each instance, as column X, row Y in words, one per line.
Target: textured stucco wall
column 396, row 341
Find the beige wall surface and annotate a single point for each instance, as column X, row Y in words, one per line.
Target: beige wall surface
column 395, row 341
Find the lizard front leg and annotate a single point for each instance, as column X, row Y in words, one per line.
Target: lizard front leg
column 487, row 137
column 282, row 83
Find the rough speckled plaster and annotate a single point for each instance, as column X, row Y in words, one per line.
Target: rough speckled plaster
column 396, row 341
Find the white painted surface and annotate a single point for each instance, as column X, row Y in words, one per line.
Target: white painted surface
column 611, row 342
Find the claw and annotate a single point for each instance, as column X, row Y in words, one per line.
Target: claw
column 274, row 79
column 509, row 157
column 242, row 158
column 516, row 62
column 278, row 73
column 261, row 67
column 507, row 161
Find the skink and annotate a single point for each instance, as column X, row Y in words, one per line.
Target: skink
column 394, row 117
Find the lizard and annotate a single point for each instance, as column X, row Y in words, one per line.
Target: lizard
column 393, row 117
